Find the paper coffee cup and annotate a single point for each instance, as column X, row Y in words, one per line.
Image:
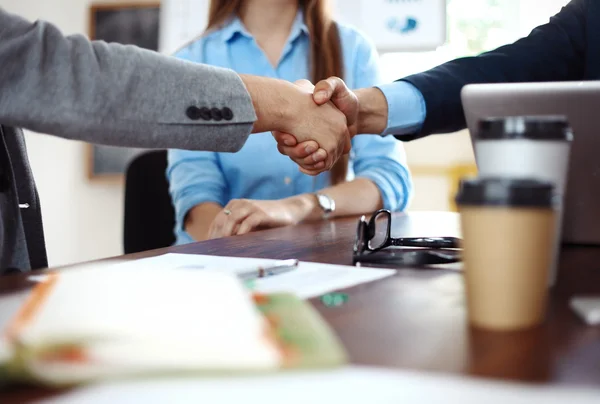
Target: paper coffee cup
column 508, row 229
column 535, row 147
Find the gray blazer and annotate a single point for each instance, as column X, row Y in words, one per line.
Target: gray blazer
column 101, row 93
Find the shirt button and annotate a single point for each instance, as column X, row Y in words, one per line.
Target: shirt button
column 205, row 114
column 287, row 180
column 227, row 114
column 193, row 113
column 215, row 113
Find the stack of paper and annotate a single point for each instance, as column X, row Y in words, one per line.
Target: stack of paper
column 84, row 325
column 310, row 279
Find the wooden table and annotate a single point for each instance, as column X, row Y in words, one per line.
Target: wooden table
column 416, row 319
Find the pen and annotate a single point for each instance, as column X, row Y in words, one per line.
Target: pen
column 277, row 268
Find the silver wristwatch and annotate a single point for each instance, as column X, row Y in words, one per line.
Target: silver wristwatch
column 326, row 203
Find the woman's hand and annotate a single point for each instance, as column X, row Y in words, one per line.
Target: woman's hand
column 242, row 216
column 308, row 155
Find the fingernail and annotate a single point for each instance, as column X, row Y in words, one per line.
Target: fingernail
column 288, row 142
column 320, row 155
column 321, row 94
column 310, row 149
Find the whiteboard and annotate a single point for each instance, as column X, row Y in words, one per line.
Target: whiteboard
column 393, row 25
column 397, row 25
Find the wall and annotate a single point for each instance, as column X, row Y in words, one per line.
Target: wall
column 535, row 12
column 83, row 218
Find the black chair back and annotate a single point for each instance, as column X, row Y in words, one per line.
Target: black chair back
column 149, row 217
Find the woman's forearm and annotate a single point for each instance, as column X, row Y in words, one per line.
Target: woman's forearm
column 351, row 198
column 199, row 218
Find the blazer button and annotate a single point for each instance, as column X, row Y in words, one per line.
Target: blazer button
column 227, row 114
column 193, row 113
column 205, row 114
column 216, row 114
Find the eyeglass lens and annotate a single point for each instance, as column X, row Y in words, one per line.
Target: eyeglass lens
column 361, row 230
column 379, row 230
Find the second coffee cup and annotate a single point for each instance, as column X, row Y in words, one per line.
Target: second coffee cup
column 508, row 229
column 527, row 147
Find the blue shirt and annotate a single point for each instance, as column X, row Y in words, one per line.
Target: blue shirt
column 258, row 171
column 406, row 108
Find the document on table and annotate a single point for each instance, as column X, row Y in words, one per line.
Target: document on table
column 351, row 385
column 308, row 280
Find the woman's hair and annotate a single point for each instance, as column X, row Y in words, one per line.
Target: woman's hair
column 325, row 48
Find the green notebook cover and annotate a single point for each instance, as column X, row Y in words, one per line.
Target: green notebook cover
column 304, row 335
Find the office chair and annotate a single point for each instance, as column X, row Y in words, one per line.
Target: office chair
column 149, row 217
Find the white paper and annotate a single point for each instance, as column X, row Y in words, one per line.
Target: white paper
column 308, row 280
column 121, row 303
column 160, row 319
column 587, row 308
column 352, row 385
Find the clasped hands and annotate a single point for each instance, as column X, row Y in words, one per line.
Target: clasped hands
column 322, row 132
column 314, row 126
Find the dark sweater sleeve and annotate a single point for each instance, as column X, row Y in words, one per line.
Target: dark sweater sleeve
column 552, row 52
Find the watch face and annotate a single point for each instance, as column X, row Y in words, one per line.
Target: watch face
column 325, row 203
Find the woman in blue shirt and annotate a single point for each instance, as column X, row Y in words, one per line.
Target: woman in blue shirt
column 219, row 194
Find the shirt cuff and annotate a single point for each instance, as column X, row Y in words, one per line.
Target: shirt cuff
column 183, row 204
column 406, row 108
column 395, row 191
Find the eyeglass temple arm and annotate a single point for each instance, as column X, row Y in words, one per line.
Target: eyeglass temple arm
column 426, row 242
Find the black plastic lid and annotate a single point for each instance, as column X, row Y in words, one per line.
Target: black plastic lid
column 506, row 192
column 526, row 127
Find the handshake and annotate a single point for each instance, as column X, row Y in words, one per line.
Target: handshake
column 314, row 124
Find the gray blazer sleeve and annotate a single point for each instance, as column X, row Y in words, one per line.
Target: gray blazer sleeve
column 113, row 94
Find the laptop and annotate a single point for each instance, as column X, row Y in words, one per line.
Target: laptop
column 580, row 103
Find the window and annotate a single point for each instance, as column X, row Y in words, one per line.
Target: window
column 474, row 26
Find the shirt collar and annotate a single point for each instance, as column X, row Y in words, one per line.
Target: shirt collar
column 232, row 27
column 299, row 26
column 235, row 26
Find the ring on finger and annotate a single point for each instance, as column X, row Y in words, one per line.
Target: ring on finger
column 227, row 212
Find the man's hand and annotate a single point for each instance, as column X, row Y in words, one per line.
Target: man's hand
column 311, row 163
column 288, row 108
column 366, row 111
column 335, row 90
column 332, row 90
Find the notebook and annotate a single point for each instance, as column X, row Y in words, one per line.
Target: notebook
column 87, row 325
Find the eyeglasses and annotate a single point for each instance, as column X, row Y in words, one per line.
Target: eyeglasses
column 375, row 235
